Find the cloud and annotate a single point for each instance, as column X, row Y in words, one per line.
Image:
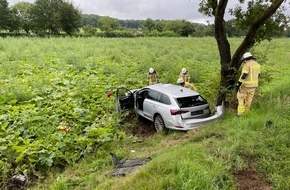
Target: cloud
column 143, row 9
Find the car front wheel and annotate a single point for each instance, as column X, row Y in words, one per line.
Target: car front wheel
column 159, row 123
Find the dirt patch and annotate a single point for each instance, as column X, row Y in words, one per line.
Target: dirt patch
column 144, row 128
column 249, row 178
column 19, row 182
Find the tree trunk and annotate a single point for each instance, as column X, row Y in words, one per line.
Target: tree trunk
column 230, row 66
column 224, row 49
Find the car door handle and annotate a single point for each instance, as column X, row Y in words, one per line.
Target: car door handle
column 154, row 106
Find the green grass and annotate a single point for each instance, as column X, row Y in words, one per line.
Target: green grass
column 66, row 79
column 204, row 159
column 207, row 158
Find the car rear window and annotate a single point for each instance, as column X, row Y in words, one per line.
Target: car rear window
column 191, row 101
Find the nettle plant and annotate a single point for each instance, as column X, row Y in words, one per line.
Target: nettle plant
column 53, row 98
column 56, row 124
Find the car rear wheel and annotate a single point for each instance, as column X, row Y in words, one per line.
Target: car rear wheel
column 159, row 123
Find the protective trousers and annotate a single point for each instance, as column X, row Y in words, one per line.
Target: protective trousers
column 245, row 96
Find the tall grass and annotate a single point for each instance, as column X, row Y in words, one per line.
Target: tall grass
column 209, row 158
column 76, row 67
column 184, row 167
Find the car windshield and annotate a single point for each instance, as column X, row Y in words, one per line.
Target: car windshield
column 190, row 101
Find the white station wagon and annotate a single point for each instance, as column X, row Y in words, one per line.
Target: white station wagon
column 168, row 106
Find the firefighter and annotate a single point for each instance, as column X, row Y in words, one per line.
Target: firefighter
column 181, row 82
column 152, row 77
column 248, row 82
column 184, row 75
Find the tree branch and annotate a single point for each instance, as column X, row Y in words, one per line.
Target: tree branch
column 248, row 41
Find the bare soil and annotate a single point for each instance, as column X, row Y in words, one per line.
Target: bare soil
column 144, row 128
column 249, row 178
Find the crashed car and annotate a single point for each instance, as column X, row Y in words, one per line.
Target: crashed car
column 168, row 106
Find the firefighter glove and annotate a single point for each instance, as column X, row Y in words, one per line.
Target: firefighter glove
column 238, row 85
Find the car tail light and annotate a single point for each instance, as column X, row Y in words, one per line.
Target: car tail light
column 177, row 112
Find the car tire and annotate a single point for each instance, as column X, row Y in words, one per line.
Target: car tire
column 159, row 123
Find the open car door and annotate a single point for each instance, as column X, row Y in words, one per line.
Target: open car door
column 125, row 100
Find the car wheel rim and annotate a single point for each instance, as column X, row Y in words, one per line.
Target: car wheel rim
column 158, row 123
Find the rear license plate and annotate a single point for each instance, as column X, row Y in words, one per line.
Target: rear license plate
column 197, row 112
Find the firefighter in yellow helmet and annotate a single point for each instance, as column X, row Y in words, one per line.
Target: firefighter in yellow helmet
column 184, row 75
column 152, row 77
column 181, row 82
column 248, row 82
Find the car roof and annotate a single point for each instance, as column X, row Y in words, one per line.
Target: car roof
column 173, row 90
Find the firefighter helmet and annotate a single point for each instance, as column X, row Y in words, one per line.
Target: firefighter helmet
column 180, row 81
column 247, row 55
column 183, row 70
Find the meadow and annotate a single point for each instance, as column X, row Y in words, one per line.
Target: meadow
column 48, row 84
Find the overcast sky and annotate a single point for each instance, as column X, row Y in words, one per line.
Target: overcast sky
column 139, row 9
column 142, row 9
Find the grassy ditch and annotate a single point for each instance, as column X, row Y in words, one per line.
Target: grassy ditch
column 53, row 83
column 235, row 153
column 249, row 152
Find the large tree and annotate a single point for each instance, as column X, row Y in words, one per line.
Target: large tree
column 22, row 10
column 54, row 16
column 148, row 24
column 45, row 16
column 108, row 24
column 4, row 15
column 181, row 27
column 70, row 18
column 13, row 24
column 259, row 19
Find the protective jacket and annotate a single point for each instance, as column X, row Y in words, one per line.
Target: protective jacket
column 185, row 76
column 152, row 78
column 190, row 86
column 252, row 69
column 249, row 79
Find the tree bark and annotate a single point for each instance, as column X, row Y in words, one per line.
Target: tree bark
column 224, row 48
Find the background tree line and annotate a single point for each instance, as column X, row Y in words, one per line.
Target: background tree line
column 43, row 16
column 55, row 17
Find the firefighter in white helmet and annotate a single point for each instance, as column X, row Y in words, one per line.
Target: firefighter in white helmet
column 181, row 82
column 152, row 77
column 184, row 75
column 248, row 82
